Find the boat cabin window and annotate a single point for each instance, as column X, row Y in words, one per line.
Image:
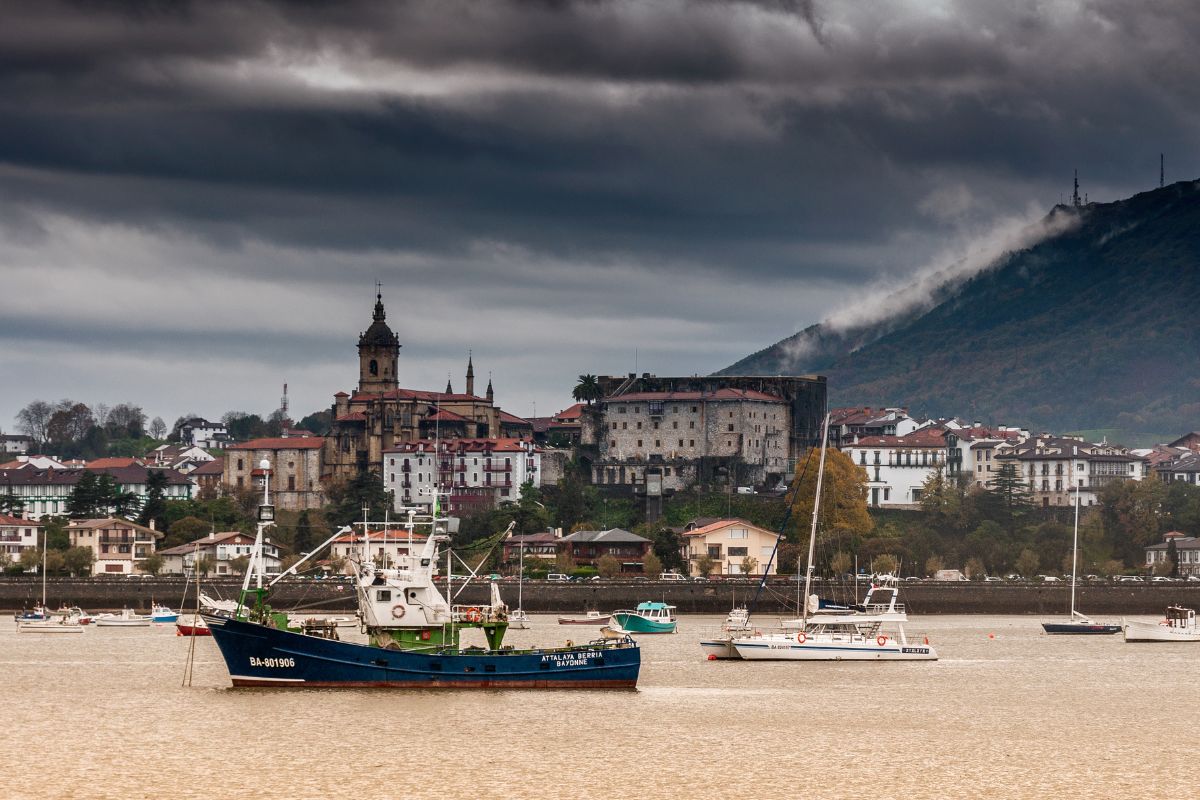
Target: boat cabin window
column 383, row 595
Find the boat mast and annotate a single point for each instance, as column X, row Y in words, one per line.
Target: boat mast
column 1075, row 553
column 521, row 575
column 812, row 535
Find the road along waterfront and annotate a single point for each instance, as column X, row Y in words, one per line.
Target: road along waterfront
column 1007, row 711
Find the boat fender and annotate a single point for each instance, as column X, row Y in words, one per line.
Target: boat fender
column 398, row 611
column 473, row 615
column 881, row 640
column 801, row 637
column 570, row 643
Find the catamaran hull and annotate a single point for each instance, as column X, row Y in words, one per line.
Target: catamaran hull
column 718, row 648
column 819, row 651
column 257, row 655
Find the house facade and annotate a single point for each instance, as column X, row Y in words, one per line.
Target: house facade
column 221, row 549
column 47, row 492
column 1187, row 551
column 16, row 536
column 733, row 545
column 15, row 444
column 296, row 467
column 585, row 548
column 199, row 432
column 898, row 466
column 118, row 545
column 1184, row 468
column 384, row 545
column 543, row 545
column 970, row 452
column 477, row 473
column 1056, row 467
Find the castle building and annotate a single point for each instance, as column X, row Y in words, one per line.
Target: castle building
column 379, row 415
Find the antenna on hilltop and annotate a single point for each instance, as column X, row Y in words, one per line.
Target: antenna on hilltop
column 1160, row 170
column 1075, row 194
column 283, row 403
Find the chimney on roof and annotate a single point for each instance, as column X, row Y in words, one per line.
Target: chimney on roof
column 558, row 533
column 976, row 424
column 152, row 524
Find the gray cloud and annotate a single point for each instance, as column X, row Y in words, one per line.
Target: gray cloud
column 565, row 181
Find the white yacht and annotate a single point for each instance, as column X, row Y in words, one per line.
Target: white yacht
column 1179, row 625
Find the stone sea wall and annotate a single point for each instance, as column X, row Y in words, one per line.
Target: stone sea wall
column 99, row 594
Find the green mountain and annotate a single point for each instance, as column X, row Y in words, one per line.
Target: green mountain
column 1095, row 327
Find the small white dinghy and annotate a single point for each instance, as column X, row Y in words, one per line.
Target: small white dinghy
column 1178, row 626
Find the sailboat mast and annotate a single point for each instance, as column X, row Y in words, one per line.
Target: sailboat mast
column 1075, row 554
column 812, row 535
column 521, row 576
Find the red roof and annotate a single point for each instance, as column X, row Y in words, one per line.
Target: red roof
column 513, row 419
column 6, row 520
column 214, row 467
column 719, row 394
column 112, row 463
column 281, row 443
column 571, row 414
column 443, row 415
column 354, row 416
column 933, row 436
column 458, row 445
column 725, row 523
column 393, row 535
column 416, row 394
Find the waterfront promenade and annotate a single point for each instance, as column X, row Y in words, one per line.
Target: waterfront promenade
column 712, row 597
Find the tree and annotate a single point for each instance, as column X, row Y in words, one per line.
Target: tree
column 56, row 562
column 152, row 564
column 79, row 560
column 30, row 559
column 240, row 564
column 587, row 390
column 185, row 531
column 1007, row 499
column 319, row 422
column 608, row 566
column 126, row 421
column 884, row 564
column 841, row 563
column 348, row 497
column 10, row 503
column 84, row 501
column 1173, row 557
column 34, row 420
column 158, row 428
column 204, row 565
column 69, row 423
column 974, row 569
column 704, row 565
column 748, row 565
column 651, row 565
column 155, row 505
column 302, row 539
column 843, row 511
column 529, row 513
column 1028, row 563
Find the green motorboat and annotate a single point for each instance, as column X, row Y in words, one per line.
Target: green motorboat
column 647, row 618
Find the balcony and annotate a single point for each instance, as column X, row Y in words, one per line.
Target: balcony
column 490, row 467
column 124, row 540
column 405, row 468
column 406, row 483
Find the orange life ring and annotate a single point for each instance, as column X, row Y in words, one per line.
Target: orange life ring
column 801, row 637
column 473, row 615
column 881, row 640
column 397, row 612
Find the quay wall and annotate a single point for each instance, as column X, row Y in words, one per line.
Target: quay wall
column 100, row 594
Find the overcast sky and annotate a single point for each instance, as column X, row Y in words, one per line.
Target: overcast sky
column 195, row 203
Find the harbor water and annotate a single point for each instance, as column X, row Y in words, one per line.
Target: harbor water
column 1006, row 712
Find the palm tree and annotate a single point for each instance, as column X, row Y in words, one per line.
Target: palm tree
column 588, row 389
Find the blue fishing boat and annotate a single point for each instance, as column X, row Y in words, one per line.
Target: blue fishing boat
column 413, row 631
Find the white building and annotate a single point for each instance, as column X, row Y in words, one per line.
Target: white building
column 182, row 457
column 118, row 545
column 200, row 432
column 221, row 549
column 16, row 536
column 477, row 473
column 898, row 466
column 970, row 451
column 384, row 545
column 1055, row 467
column 47, row 492
column 15, row 444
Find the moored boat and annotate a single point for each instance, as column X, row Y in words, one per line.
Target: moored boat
column 590, row 618
column 650, row 617
column 1179, row 625
column 162, row 614
column 1076, row 623
column 414, row 633
column 126, row 619
column 192, row 625
column 736, row 624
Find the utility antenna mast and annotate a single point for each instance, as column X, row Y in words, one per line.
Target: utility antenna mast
column 1075, row 194
column 1160, row 171
column 283, row 403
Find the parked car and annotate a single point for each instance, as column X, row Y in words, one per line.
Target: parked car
column 1163, row 579
column 558, row 577
column 993, row 579
column 702, row 579
column 671, row 576
column 1049, row 579
column 1128, row 579
column 1192, row 579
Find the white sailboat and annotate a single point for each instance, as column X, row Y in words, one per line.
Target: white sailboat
column 1077, row 623
column 50, row 623
column 871, row 631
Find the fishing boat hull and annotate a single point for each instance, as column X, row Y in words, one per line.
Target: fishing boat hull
column 819, row 648
column 192, row 626
column 116, row 621
column 632, row 623
column 257, row 655
column 1080, row 628
column 585, row 620
column 1156, row 632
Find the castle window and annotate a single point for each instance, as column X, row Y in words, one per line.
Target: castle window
column 373, row 367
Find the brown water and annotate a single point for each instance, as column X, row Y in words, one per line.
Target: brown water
column 103, row 715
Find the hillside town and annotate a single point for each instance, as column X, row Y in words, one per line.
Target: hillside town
column 634, row 441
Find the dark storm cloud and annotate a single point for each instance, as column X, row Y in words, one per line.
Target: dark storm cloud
column 657, row 166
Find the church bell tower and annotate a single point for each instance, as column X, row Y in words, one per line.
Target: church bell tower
column 378, row 353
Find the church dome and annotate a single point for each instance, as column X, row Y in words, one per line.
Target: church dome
column 379, row 334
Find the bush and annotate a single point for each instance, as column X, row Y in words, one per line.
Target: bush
column 14, row 569
column 582, row 573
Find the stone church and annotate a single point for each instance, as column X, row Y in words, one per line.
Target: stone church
column 380, row 415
